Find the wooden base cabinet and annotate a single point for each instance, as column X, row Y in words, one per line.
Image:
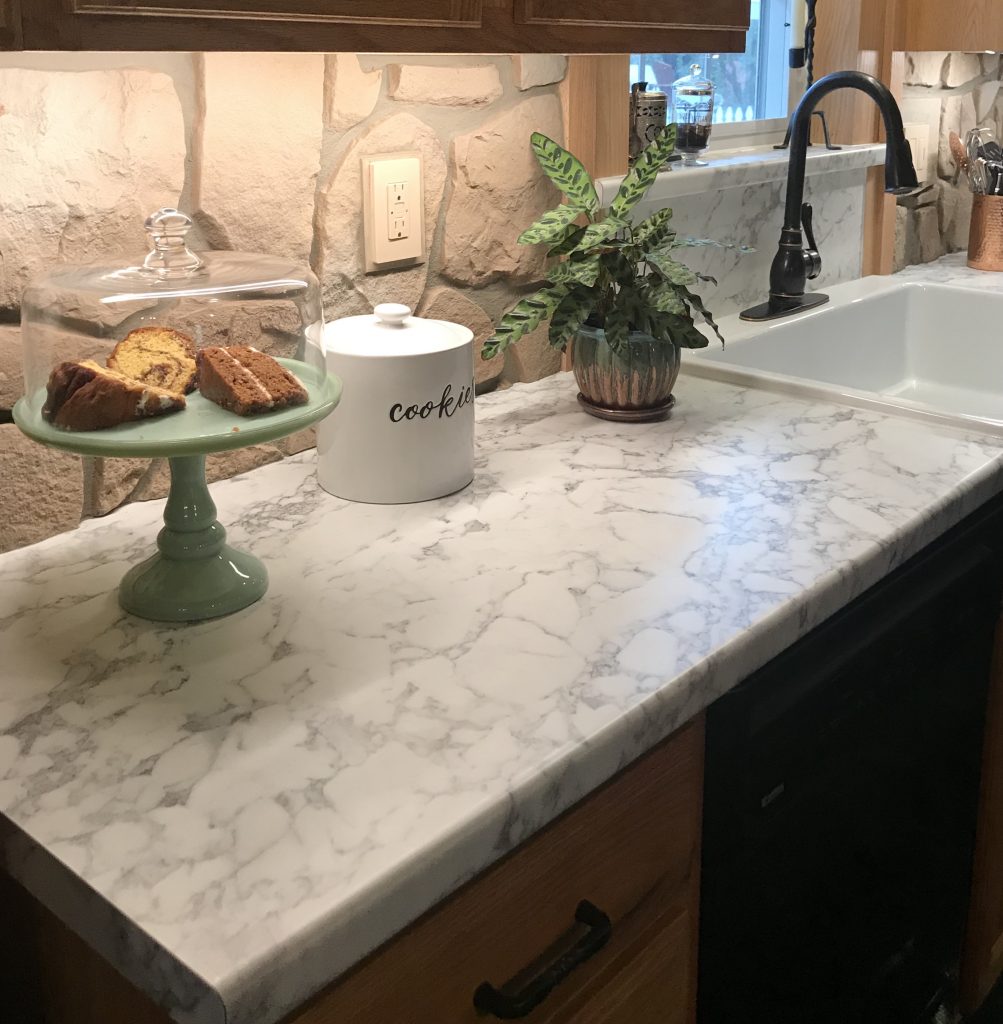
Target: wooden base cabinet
column 982, row 962
column 464, row 26
column 592, row 921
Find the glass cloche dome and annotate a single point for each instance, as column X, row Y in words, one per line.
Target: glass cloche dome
column 215, row 298
column 257, row 373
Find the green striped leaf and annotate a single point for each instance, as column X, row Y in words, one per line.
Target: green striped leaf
column 572, row 311
column 664, row 297
column 659, row 326
column 577, row 272
column 698, row 307
column 656, row 230
column 597, row 234
column 640, row 177
column 690, row 243
column 524, row 317
column 567, row 241
column 550, row 227
column 617, row 327
column 677, row 330
column 622, row 271
column 633, row 306
column 672, row 270
column 684, row 332
column 566, row 172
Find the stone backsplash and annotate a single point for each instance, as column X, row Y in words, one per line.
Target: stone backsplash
column 264, row 150
column 947, row 91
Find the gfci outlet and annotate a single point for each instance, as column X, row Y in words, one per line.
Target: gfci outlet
column 393, row 210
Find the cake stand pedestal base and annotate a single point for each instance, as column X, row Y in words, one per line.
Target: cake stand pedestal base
column 195, row 575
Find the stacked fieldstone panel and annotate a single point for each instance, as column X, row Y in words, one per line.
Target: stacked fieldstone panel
column 265, row 151
column 947, row 91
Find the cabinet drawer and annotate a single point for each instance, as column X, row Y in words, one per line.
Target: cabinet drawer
column 631, row 850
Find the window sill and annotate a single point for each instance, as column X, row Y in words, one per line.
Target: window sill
column 739, row 168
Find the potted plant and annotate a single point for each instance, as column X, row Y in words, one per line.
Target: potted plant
column 620, row 295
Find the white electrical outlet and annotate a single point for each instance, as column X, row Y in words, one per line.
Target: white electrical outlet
column 393, row 210
column 919, row 142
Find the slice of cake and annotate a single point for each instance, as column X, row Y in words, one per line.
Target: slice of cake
column 157, row 356
column 246, row 381
column 88, row 396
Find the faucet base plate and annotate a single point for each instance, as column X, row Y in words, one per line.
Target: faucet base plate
column 776, row 308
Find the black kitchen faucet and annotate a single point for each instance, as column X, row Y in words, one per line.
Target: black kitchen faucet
column 794, row 265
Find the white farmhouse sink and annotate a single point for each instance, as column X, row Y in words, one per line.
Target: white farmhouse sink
column 929, row 350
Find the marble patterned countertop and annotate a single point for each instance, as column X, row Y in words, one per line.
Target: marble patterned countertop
column 236, row 812
column 954, row 270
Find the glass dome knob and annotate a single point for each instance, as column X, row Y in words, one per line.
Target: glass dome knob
column 170, row 256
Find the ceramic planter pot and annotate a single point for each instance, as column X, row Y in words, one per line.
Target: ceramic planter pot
column 633, row 386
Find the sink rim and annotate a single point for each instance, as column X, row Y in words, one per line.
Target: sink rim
column 711, row 363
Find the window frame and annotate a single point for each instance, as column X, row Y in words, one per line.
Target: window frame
column 773, row 52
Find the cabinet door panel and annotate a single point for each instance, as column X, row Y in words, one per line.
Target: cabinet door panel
column 417, row 12
column 982, row 962
column 10, row 25
column 729, row 15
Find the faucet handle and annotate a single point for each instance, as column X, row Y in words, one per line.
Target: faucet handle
column 812, row 257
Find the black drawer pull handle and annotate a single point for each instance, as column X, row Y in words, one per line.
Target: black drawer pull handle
column 488, row 999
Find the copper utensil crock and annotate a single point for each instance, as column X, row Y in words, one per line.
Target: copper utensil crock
column 985, row 240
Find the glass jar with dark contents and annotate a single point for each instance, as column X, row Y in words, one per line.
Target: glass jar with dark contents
column 693, row 113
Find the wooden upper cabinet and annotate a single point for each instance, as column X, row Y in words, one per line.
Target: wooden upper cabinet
column 10, row 25
column 962, row 25
column 464, row 26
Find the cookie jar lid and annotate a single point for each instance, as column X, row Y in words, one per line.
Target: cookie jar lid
column 391, row 330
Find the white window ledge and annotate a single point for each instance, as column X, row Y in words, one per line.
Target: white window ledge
column 739, row 168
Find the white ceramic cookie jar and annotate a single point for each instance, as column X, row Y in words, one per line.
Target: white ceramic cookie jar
column 404, row 430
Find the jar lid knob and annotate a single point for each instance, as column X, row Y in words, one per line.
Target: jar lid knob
column 170, row 256
column 392, row 313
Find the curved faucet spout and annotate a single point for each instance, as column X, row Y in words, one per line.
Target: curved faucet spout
column 794, row 265
column 900, row 174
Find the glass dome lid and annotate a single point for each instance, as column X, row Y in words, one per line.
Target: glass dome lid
column 76, row 313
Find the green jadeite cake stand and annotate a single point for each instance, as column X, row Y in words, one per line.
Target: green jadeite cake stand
column 195, row 574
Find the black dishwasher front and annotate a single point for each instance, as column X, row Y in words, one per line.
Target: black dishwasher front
column 841, row 794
